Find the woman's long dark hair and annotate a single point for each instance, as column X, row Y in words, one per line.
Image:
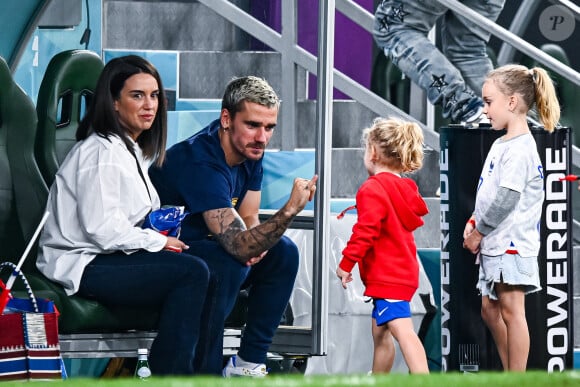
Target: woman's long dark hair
column 101, row 117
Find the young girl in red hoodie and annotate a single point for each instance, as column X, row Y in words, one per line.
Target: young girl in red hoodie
column 389, row 209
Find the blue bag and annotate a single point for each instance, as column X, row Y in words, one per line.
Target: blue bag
column 166, row 220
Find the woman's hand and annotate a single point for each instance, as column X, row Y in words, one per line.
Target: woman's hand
column 175, row 245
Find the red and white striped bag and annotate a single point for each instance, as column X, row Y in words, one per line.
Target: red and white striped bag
column 29, row 346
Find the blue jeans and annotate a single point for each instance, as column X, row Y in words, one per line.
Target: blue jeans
column 270, row 284
column 174, row 283
column 452, row 78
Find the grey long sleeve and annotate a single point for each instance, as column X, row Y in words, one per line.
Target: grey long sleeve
column 504, row 202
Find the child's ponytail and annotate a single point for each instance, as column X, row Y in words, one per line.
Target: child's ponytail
column 547, row 103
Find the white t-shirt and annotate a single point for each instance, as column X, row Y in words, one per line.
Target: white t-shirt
column 97, row 203
column 516, row 165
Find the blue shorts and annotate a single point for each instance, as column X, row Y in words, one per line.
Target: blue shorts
column 385, row 311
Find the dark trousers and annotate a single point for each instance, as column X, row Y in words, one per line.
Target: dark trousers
column 270, row 285
column 174, row 283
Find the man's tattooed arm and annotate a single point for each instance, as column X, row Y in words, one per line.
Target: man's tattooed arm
column 229, row 229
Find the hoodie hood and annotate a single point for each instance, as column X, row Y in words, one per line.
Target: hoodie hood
column 404, row 194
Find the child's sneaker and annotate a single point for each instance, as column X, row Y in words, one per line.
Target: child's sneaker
column 256, row 370
column 477, row 119
column 473, row 115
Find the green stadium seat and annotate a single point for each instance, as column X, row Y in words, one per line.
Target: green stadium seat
column 17, row 115
column 64, row 94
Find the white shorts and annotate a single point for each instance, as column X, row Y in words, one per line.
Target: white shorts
column 511, row 269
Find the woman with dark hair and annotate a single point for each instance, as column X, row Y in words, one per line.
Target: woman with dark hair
column 93, row 243
column 103, row 119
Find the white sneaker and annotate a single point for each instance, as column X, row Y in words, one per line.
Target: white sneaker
column 231, row 369
column 477, row 119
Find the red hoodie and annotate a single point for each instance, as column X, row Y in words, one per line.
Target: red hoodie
column 389, row 210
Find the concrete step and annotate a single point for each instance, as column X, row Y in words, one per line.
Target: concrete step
column 348, row 173
column 349, row 118
column 151, row 25
column 428, row 236
column 204, row 74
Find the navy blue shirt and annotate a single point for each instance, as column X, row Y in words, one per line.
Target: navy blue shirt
column 195, row 175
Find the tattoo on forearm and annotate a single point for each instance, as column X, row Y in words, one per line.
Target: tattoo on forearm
column 245, row 244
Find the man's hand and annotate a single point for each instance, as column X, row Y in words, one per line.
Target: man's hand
column 250, row 245
column 254, row 260
column 344, row 276
column 303, row 191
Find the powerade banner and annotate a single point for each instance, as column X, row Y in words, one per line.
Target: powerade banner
column 466, row 343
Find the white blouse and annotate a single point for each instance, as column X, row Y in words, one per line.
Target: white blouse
column 97, row 203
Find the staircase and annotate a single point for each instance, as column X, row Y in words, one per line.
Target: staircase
column 206, row 52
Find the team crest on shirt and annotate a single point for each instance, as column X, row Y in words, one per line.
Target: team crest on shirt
column 234, row 202
column 491, row 166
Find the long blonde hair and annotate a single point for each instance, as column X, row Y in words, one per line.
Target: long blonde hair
column 398, row 143
column 534, row 86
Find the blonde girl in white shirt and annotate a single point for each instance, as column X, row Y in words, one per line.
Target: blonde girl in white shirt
column 504, row 226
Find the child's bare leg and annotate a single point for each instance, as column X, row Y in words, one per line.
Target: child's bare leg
column 513, row 312
column 491, row 315
column 384, row 348
column 411, row 347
